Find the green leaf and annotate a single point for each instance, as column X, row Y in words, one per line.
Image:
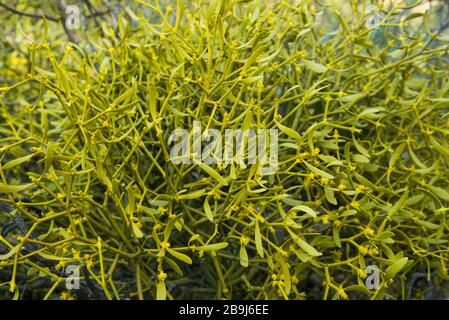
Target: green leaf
column 287, row 278
column 248, row 120
column 360, row 158
column 304, row 257
column 53, row 257
column 428, row 225
column 305, row 209
column 192, row 195
column 102, row 176
column 131, row 201
column 361, row 149
column 336, row 235
column 137, row 232
column 51, row 147
column 313, row 66
column 173, row 264
column 396, row 154
column 307, row 247
column 352, row 97
column 440, row 193
column 7, row 188
column 208, row 211
column 349, row 212
column 413, row 200
column 18, row 161
column 413, row 16
column 304, row 245
column 214, row 174
column 415, row 158
column 180, row 256
column 290, row 132
column 258, row 239
column 161, row 291
column 358, row 288
column 169, row 228
column 384, row 235
column 398, row 204
column 330, row 197
column 371, row 113
column 124, row 96
column 270, row 57
column 319, row 172
column 152, row 101
column 213, row 247
column 364, row 181
column 11, row 252
column 393, row 270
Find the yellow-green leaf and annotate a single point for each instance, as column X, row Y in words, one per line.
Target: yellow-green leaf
column 101, row 174
column 398, row 204
column 336, row 235
column 137, row 232
column 395, row 268
column 304, row 257
column 192, row 195
column 307, row 248
column 152, row 100
column 352, row 97
column 360, row 158
column 161, row 291
column 180, row 256
column 305, row 209
column 243, row 256
column 330, row 197
column 396, row 154
column 214, row 174
column 287, row 278
column 208, row 211
column 319, row 171
column 212, row 247
column 440, row 193
column 10, row 253
column 16, row 162
column 8, row 188
column 304, row 245
column 131, row 201
column 313, row 66
column 290, row 132
column 258, row 239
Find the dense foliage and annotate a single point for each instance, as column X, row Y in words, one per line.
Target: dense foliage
column 363, row 176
